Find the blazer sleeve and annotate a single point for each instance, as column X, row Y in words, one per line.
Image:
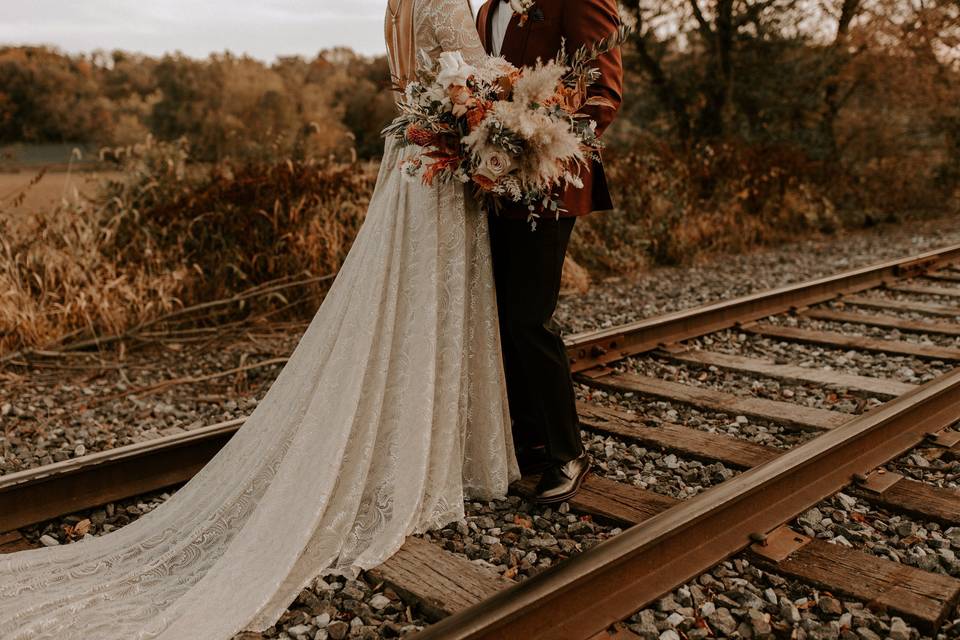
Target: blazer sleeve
column 586, row 22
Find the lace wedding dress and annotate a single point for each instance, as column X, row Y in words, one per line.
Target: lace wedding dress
column 391, row 410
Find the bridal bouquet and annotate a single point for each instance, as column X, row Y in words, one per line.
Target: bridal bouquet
column 514, row 134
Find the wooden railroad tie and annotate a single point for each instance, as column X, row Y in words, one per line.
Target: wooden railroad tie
column 843, row 341
column 943, row 292
column 786, row 372
column 787, row 414
column 902, row 305
column 925, row 598
column 891, row 322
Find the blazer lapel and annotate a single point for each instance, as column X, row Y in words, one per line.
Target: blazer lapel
column 485, row 25
column 515, row 41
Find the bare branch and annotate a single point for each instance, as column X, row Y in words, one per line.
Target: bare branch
column 705, row 29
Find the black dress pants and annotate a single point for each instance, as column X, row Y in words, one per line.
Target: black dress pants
column 527, row 266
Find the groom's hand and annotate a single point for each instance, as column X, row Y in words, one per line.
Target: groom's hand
column 585, row 23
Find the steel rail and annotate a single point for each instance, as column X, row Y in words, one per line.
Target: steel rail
column 590, row 349
column 584, row 595
column 32, row 496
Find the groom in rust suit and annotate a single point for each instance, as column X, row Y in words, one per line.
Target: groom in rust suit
column 528, row 264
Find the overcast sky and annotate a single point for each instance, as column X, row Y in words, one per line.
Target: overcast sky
column 261, row 28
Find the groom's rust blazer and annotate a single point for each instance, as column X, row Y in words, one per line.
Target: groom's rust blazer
column 578, row 22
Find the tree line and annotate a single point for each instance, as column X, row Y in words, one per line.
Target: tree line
column 857, row 101
column 225, row 105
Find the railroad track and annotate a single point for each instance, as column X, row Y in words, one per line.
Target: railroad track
column 669, row 541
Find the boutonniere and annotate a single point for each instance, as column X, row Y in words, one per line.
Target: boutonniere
column 526, row 9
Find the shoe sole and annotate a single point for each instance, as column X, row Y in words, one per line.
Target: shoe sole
column 569, row 494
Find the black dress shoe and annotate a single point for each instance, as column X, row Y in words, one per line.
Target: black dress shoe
column 561, row 482
column 532, row 460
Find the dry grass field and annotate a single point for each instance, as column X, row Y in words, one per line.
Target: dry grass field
column 88, row 254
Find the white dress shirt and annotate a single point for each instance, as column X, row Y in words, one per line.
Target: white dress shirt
column 502, row 12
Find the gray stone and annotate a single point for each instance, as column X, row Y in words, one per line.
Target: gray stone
column 722, row 621
column 667, row 604
column 898, row 629
column 352, row 592
column 824, row 632
column 675, row 619
column 299, row 630
column 953, row 533
column 830, row 606
column 544, row 541
column 646, row 630
column 338, row 630
column 760, row 622
column 49, row 541
column 379, row 602
column 847, row 501
column 790, row 613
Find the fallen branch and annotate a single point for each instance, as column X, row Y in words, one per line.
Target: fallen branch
column 166, row 384
column 57, row 350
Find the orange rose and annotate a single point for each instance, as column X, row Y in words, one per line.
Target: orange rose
column 419, row 136
column 476, row 115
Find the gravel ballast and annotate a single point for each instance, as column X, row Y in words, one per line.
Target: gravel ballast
column 48, row 416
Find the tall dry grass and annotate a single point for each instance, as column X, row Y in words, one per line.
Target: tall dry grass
column 674, row 206
column 166, row 234
column 163, row 234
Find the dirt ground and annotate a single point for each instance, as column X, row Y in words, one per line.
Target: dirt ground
column 42, row 196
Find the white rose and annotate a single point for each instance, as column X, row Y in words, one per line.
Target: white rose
column 494, row 164
column 454, row 70
column 517, row 6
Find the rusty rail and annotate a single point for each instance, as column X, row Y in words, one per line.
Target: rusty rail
column 35, row 495
column 588, row 350
column 587, row 593
column 582, row 596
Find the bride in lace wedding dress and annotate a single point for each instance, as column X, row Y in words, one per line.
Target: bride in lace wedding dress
column 390, row 412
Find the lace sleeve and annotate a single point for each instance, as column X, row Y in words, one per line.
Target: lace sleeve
column 453, row 27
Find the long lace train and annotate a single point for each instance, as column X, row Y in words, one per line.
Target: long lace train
column 390, row 410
